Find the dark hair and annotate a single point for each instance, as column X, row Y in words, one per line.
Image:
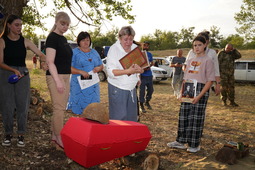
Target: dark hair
column 9, row 20
column 205, row 34
column 82, row 35
column 199, row 38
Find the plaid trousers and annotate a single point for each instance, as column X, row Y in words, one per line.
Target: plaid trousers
column 191, row 120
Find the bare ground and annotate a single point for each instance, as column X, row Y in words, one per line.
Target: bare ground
column 222, row 124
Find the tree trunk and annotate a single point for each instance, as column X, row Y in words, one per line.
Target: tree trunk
column 11, row 7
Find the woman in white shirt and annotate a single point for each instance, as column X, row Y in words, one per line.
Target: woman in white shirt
column 122, row 82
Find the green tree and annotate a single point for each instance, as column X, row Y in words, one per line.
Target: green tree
column 215, row 37
column 250, row 44
column 246, row 18
column 107, row 39
column 90, row 12
column 169, row 40
column 185, row 37
column 150, row 39
column 236, row 40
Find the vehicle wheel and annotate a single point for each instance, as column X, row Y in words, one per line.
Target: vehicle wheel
column 102, row 76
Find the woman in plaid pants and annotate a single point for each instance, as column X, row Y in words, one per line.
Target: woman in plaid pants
column 192, row 115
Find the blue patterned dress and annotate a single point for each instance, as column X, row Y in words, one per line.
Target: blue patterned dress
column 79, row 99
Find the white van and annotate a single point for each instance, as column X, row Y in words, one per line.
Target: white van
column 158, row 74
column 164, row 63
column 245, row 70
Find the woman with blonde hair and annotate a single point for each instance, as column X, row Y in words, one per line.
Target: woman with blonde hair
column 59, row 58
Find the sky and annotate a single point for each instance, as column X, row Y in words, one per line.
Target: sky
column 173, row 15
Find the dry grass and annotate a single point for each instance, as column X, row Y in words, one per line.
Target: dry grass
column 246, row 54
column 222, row 123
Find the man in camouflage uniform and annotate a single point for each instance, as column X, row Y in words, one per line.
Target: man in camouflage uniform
column 227, row 59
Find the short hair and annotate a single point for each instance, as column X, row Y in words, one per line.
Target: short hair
column 82, row 35
column 126, row 30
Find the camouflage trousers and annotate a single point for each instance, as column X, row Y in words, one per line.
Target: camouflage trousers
column 228, row 88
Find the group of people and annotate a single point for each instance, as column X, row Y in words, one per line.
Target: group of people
column 205, row 66
column 60, row 63
column 67, row 72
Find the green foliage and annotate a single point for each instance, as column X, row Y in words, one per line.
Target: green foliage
column 71, row 37
column 100, row 40
column 95, row 12
column 91, row 12
column 161, row 40
column 29, row 33
column 250, row 45
column 246, row 18
column 215, row 37
column 186, row 36
column 236, row 40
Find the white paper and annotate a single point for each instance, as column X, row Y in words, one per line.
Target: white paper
column 87, row 83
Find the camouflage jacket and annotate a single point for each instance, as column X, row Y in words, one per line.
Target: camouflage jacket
column 227, row 61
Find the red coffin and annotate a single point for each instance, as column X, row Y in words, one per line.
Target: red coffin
column 90, row 143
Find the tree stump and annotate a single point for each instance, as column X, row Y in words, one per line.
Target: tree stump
column 151, row 162
column 34, row 100
column 39, row 111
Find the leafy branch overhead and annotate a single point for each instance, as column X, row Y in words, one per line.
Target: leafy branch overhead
column 246, row 18
column 89, row 12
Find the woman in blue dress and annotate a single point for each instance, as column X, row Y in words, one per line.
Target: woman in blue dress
column 84, row 85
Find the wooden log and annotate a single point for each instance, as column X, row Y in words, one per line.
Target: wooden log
column 40, row 104
column 33, row 92
column 151, row 162
column 33, row 100
column 39, row 111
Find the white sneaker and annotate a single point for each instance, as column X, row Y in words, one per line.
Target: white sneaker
column 176, row 144
column 193, row 150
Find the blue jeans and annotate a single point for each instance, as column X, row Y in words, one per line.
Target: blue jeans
column 146, row 84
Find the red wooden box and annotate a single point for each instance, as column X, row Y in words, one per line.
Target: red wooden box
column 90, row 143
